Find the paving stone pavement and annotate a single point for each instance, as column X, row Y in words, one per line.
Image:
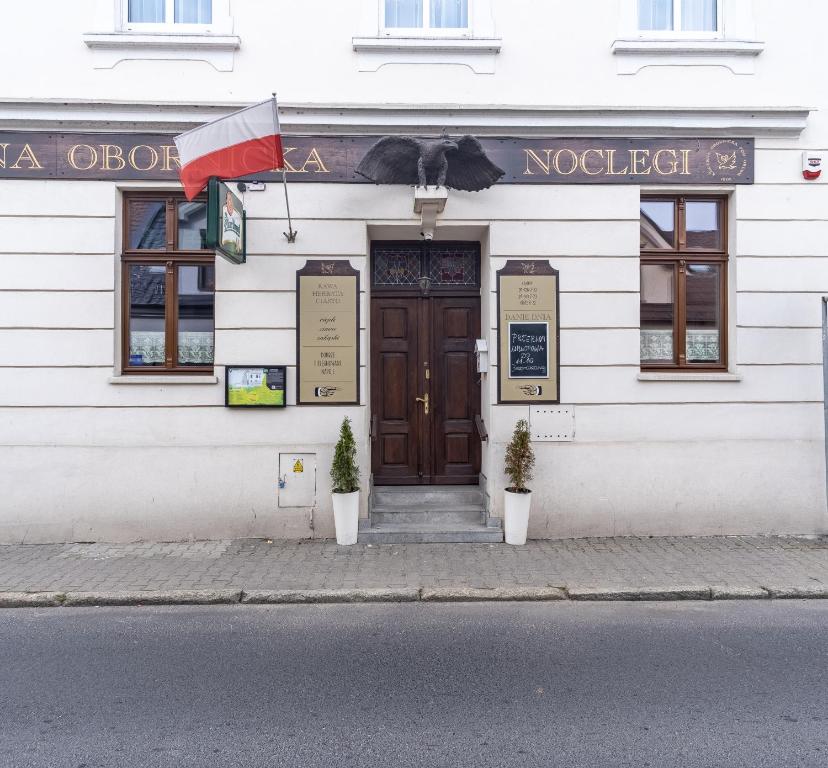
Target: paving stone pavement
column 254, row 564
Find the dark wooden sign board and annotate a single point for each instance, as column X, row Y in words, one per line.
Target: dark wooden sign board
column 327, row 333
column 333, row 159
column 528, row 343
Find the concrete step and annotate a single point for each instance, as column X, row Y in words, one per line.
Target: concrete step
column 430, row 533
column 430, row 514
column 437, row 495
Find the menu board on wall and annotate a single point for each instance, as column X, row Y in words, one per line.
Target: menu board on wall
column 327, row 336
column 528, row 332
column 528, row 350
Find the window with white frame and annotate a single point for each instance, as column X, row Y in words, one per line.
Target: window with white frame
column 430, row 17
column 699, row 17
column 177, row 15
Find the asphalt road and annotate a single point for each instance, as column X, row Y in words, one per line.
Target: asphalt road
column 566, row 684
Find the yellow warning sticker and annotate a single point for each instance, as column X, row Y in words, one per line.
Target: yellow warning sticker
column 298, row 466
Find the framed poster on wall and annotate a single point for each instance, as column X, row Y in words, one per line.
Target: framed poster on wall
column 255, row 386
column 528, row 320
column 226, row 222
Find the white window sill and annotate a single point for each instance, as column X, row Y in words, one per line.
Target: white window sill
column 111, row 48
column 689, row 376
column 477, row 53
column 633, row 54
column 157, row 379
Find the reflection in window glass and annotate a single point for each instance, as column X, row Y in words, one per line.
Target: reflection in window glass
column 146, row 11
column 404, row 13
column 192, row 226
column 703, row 230
column 698, row 15
column 703, row 321
column 193, row 11
column 658, row 224
column 657, row 313
column 196, row 292
column 449, row 14
column 655, row 15
column 147, row 302
column 147, row 224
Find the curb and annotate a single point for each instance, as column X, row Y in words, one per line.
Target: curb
column 640, row 593
column 154, row 597
column 667, row 593
column 299, row 596
column 479, row 594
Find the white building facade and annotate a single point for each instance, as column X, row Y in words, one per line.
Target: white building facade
column 689, row 394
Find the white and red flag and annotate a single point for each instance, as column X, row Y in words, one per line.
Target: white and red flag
column 245, row 142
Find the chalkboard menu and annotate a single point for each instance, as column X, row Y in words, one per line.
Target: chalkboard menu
column 528, row 350
column 327, row 355
column 528, row 328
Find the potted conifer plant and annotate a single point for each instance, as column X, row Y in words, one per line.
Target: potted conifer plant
column 520, row 461
column 345, row 486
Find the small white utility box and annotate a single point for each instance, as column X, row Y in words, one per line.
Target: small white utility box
column 297, row 479
column 481, row 351
column 552, row 423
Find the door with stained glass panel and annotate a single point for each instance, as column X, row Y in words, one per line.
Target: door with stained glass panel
column 425, row 391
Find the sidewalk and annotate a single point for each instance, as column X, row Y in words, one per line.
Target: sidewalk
column 253, row 570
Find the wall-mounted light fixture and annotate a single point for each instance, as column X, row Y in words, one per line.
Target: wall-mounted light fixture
column 425, row 284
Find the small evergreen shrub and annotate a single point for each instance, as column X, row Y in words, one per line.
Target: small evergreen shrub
column 520, row 458
column 344, row 470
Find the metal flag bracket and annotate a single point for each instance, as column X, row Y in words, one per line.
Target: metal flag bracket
column 291, row 233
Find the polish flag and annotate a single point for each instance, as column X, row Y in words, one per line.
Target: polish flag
column 248, row 141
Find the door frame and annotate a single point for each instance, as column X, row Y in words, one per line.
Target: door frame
column 425, row 342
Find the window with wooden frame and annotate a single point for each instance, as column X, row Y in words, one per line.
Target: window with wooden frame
column 683, row 283
column 167, row 285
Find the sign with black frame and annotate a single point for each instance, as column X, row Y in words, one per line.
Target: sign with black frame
column 255, row 386
column 528, row 332
column 327, row 333
column 226, row 222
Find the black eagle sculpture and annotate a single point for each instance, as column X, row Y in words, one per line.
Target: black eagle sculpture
column 457, row 164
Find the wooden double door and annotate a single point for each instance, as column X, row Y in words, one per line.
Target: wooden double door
column 425, row 389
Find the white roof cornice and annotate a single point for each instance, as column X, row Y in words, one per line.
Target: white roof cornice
column 374, row 119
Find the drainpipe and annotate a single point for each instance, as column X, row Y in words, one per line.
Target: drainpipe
column 825, row 382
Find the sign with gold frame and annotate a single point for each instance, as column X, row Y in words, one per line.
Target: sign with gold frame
column 528, row 316
column 327, row 333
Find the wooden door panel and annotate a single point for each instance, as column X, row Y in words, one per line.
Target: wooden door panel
column 396, row 397
column 394, row 358
column 456, row 390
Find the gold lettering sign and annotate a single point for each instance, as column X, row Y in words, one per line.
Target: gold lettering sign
column 333, row 159
column 528, row 358
column 328, row 333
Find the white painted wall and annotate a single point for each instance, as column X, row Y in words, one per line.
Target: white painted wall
column 84, row 458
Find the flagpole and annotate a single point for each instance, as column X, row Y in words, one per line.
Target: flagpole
column 291, row 233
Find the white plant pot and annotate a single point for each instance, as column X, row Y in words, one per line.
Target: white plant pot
column 346, row 517
column 516, row 516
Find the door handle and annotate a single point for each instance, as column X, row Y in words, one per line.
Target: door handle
column 424, row 401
